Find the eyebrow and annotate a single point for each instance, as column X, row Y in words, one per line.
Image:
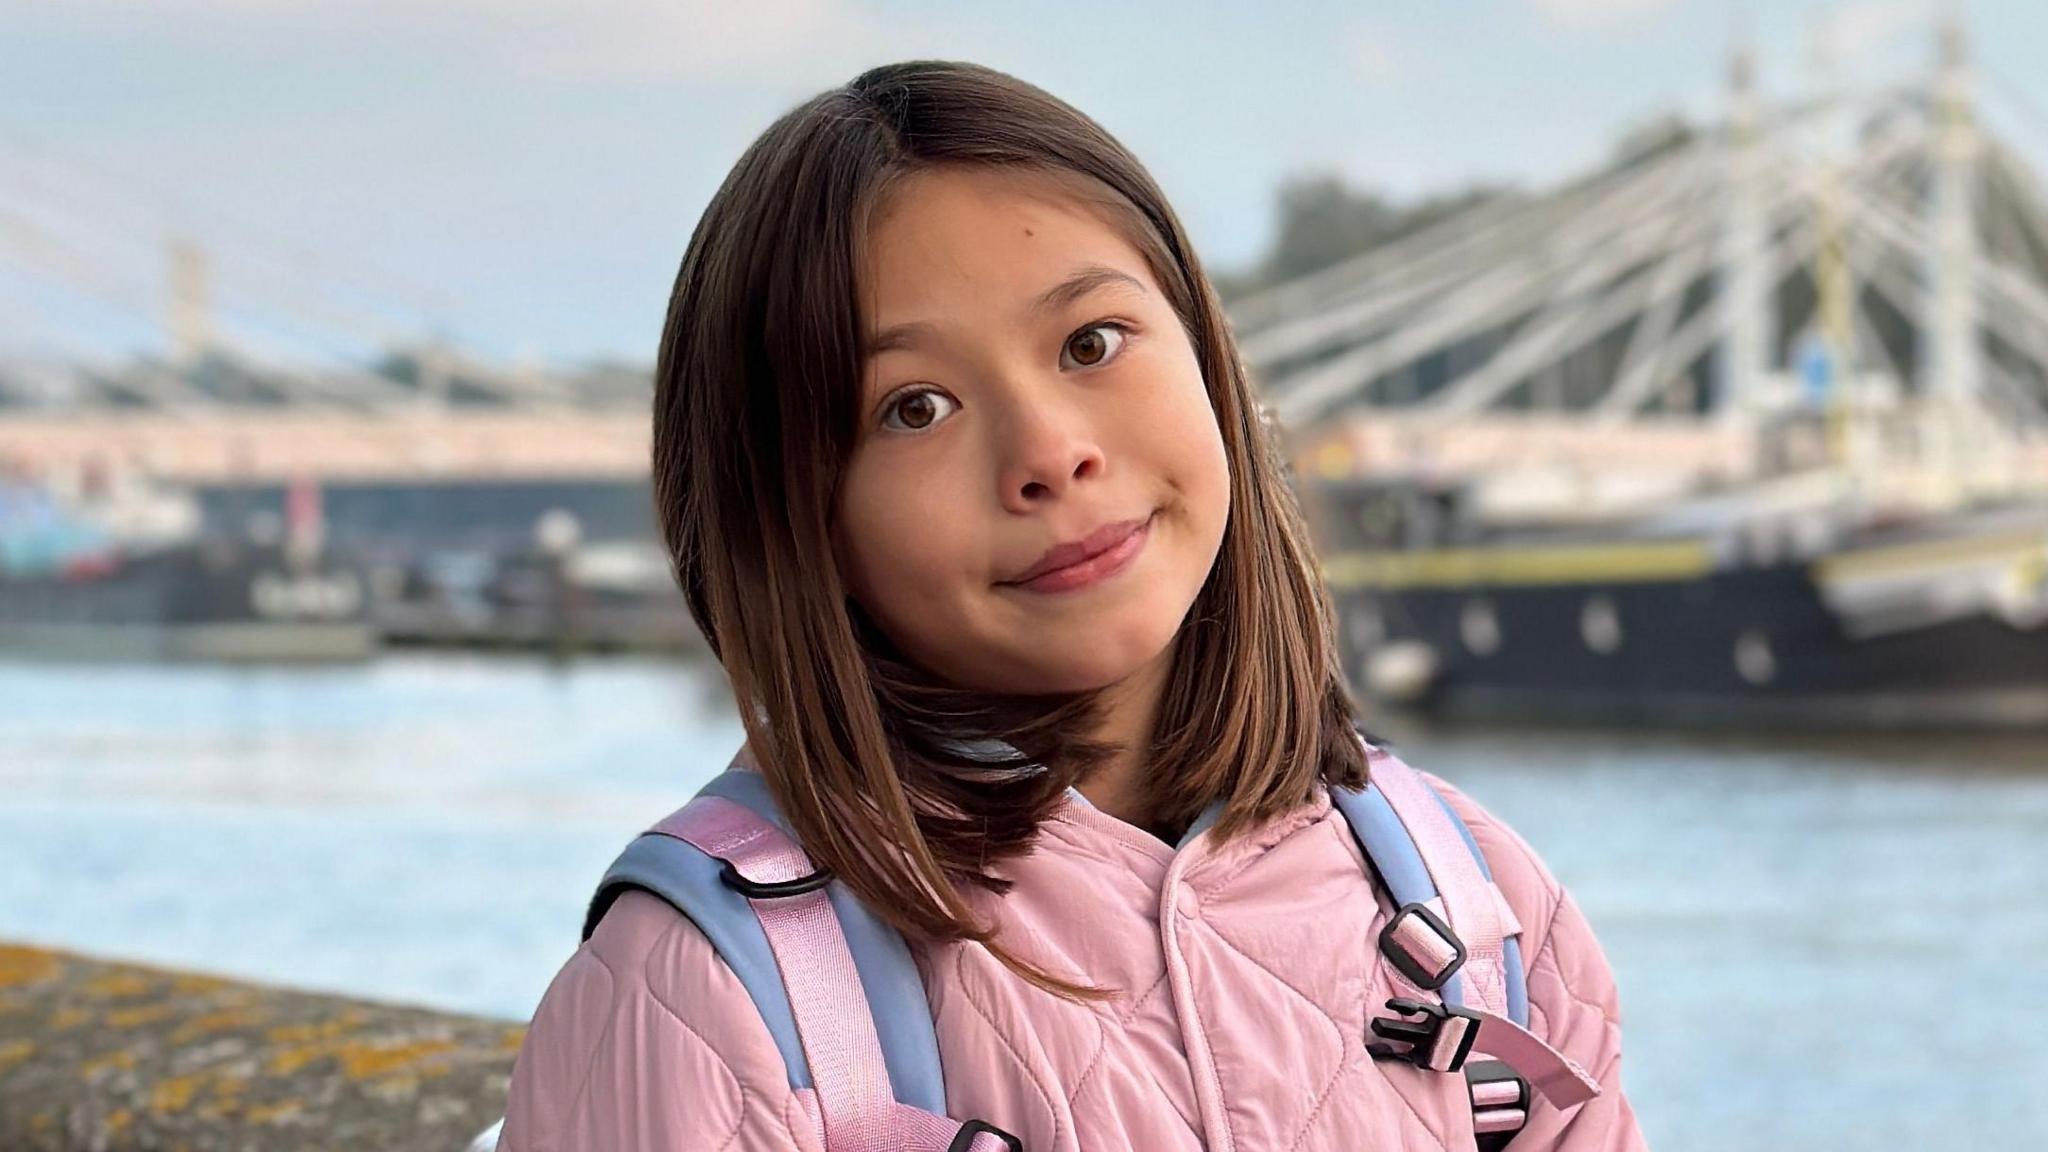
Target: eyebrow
column 1082, row 281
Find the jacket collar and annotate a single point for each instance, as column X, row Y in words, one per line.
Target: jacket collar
column 1201, row 824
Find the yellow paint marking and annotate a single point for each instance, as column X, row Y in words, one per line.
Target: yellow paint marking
column 1929, row 554
column 1652, row 561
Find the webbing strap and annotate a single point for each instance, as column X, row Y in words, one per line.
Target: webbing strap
column 924, row 1131
column 1473, row 907
column 857, row 1112
column 1547, row 1070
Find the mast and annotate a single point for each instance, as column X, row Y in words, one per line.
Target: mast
column 1747, row 296
column 1952, row 372
column 1835, row 293
column 191, row 318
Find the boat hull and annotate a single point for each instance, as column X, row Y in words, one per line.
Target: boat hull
column 1754, row 646
column 210, row 600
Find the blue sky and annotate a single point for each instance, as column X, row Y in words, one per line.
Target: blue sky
column 521, row 177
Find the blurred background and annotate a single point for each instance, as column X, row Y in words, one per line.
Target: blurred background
column 1665, row 380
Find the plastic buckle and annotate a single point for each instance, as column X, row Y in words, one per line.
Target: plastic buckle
column 964, row 1139
column 1485, row 1078
column 771, row 889
column 1500, row 1103
column 1425, row 1038
column 1390, row 947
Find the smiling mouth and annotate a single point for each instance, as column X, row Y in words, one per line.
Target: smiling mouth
column 1091, row 569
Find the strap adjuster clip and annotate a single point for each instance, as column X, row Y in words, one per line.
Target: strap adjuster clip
column 964, row 1139
column 1439, row 1039
column 1419, row 943
column 1500, row 1102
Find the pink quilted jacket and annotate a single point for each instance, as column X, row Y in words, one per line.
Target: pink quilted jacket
column 1249, row 971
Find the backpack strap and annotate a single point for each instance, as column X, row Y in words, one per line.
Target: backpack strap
column 1452, row 946
column 1471, row 904
column 818, row 973
column 805, row 949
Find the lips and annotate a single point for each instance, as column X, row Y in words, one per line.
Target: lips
column 1075, row 551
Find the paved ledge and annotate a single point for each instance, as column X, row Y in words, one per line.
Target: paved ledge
column 107, row 1057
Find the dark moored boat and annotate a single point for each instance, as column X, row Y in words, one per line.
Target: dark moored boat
column 72, row 588
column 1788, row 601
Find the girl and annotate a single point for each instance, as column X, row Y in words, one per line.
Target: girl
column 968, row 490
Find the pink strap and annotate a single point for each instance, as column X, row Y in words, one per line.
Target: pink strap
column 1468, row 896
column 1475, row 909
column 858, row 1113
column 1547, row 1070
column 922, row 1131
column 1510, row 924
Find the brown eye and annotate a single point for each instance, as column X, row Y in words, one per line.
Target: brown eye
column 918, row 408
column 1096, row 343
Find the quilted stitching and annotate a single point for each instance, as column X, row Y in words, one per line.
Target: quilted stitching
column 586, row 956
column 966, row 987
column 726, row 1078
column 662, row 947
column 1123, row 1018
column 1132, row 1065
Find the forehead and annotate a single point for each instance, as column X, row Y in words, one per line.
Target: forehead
column 948, row 239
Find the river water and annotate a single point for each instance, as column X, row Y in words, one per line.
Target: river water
column 1821, row 943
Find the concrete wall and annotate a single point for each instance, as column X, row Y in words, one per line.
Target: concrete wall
column 108, row 1057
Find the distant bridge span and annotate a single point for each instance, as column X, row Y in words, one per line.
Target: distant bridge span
column 260, row 447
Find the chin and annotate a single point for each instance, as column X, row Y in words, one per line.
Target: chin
column 1100, row 670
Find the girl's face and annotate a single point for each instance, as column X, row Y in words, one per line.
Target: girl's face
column 1029, row 386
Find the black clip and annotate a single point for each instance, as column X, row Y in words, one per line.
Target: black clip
column 1500, row 1103
column 773, row 889
column 1424, row 1037
column 964, row 1138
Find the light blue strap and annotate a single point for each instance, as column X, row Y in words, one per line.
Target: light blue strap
column 688, row 879
column 1387, row 843
column 1510, row 946
column 1202, row 822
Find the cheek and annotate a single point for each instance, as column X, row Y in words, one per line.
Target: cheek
column 1200, row 461
column 892, row 554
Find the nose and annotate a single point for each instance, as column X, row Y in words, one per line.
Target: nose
column 1048, row 447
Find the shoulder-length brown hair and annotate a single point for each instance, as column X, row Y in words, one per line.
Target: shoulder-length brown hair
column 910, row 790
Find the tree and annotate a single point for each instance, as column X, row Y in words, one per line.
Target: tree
column 1324, row 220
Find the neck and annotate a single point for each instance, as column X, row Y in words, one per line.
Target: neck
column 1118, row 786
